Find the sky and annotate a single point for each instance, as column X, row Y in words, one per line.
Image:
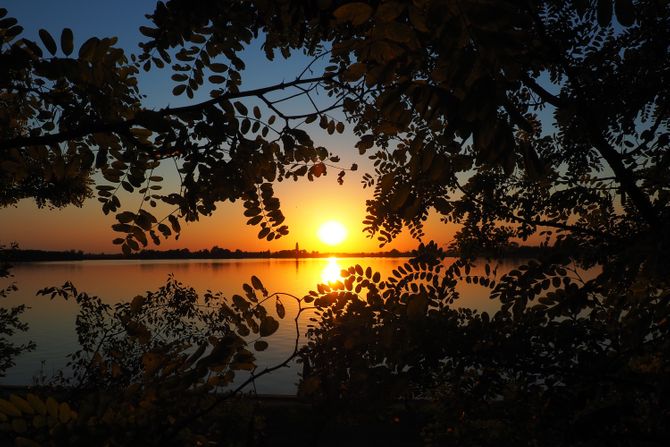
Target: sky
column 306, row 205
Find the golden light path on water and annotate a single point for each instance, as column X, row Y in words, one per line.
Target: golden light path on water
column 331, row 272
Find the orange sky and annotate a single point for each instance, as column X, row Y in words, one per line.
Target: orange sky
column 306, row 205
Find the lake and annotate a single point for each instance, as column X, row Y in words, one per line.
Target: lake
column 52, row 322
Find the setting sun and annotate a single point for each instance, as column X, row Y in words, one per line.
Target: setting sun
column 332, row 232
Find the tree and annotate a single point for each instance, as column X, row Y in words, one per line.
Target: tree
column 10, row 323
column 544, row 119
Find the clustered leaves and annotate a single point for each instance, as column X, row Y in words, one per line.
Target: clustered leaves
column 67, row 116
column 158, row 365
column 10, row 321
column 58, row 93
column 149, row 337
column 34, row 421
column 552, row 359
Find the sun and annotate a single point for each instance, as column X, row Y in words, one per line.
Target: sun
column 332, row 232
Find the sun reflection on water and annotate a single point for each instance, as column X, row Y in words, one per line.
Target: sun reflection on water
column 331, row 272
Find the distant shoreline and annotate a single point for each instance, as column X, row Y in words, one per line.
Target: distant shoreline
column 48, row 256
column 18, row 255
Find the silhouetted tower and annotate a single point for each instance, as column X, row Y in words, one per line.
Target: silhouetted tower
column 297, row 250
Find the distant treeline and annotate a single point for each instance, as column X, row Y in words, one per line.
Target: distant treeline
column 17, row 255
column 14, row 254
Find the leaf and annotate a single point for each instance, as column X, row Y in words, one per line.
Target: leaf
column 179, row 89
column 245, row 366
column 398, row 32
column 245, row 126
column 625, row 12
column 389, row 11
column 260, row 345
column 9, row 408
column 137, row 303
column 149, row 32
column 416, row 307
column 36, row 403
column 218, row 68
column 164, row 229
column 12, row 32
column 175, row 223
column 48, row 41
column 67, row 41
column 21, row 404
column 52, row 407
column 64, row 413
column 418, row 20
column 241, row 108
column 281, row 312
column 19, row 425
column 400, row 196
column 151, row 361
column 258, row 285
column 87, row 50
column 354, row 72
column 240, row 302
column 356, row 13
column 263, row 233
column 268, row 326
column 255, row 220
column 366, row 142
column 604, row 12
column 196, row 355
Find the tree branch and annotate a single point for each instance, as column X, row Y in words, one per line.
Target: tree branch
column 122, row 125
column 245, row 94
column 224, row 397
column 542, row 92
column 536, row 222
column 625, row 176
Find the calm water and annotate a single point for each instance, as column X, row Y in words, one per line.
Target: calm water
column 52, row 325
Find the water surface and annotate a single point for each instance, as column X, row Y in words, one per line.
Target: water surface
column 52, row 322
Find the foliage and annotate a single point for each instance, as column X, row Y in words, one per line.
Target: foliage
column 513, row 120
column 31, row 420
column 10, row 323
column 40, row 418
column 72, row 114
column 160, row 369
column 570, row 360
